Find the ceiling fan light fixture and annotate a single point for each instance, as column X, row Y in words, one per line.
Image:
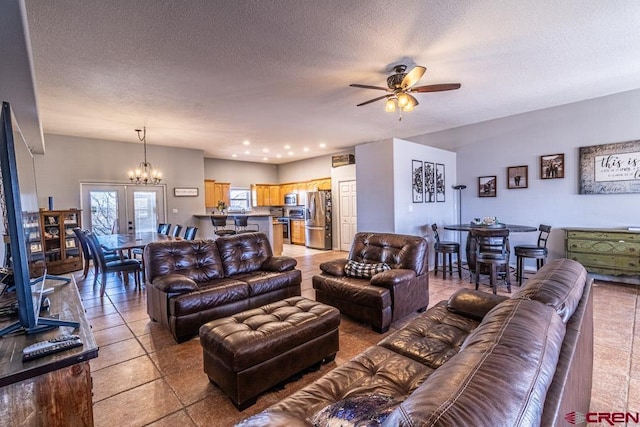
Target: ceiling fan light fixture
column 408, row 107
column 390, row 105
column 403, row 100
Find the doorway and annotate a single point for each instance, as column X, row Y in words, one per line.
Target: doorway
column 121, row 208
column 348, row 213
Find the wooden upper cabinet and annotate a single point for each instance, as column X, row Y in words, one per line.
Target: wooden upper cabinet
column 260, row 195
column 274, row 196
column 324, row 184
column 209, row 194
column 286, row 189
column 222, row 192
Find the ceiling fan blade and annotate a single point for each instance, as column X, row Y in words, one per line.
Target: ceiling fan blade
column 374, row 100
column 369, row 87
column 436, row 88
column 412, row 77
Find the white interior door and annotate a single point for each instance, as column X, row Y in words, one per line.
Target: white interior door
column 348, row 213
column 120, row 208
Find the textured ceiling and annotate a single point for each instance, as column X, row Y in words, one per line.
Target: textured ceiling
column 211, row 74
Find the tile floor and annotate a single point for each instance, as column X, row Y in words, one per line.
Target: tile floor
column 142, row 377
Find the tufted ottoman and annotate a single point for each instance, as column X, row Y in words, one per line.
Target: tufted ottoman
column 250, row 352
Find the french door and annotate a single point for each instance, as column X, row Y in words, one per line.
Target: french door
column 122, row 208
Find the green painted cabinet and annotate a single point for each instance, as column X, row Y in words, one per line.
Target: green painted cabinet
column 607, row 251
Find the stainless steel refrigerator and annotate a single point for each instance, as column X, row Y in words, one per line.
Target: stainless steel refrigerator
column 317, row 224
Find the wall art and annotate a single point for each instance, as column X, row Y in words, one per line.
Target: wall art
column 518, row 177
column 552, row 166
column 610, row 168
column 430, row 182
column 487, row 186
column 440, row 187
column 185, row 192
column 417, row 178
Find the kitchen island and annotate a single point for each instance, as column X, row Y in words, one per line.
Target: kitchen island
column 263, row 221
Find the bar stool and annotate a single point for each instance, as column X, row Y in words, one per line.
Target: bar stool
column 444, row 248
column 492, row 249
column 242, row 226
column 538, row 252
column 220, row 226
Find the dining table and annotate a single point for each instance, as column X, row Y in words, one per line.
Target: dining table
column 470, row 243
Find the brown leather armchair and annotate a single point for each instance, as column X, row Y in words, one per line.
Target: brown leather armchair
column 386, row 296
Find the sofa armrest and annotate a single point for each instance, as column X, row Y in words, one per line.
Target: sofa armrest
column 175, row 284
column 279, row 263
column 473, row 304
column 334, row 268
column 390, row 278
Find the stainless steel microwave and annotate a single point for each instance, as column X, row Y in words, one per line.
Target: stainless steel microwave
column 291, row 199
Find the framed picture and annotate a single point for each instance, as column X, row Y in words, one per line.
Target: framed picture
column 440, row 185
column 552, row 166
column 610, row 168
column 487, row 186
column 429, row 182
column 185, row 192
column 417, row 183
column 518, row 176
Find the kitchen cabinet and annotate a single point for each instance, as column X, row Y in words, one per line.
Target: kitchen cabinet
column 61, row 246
column 287, row 189
column 275, row 199
column 215, row 191
column 607, row 251
column 260, row 195
column 297, row 232
column 278, row 241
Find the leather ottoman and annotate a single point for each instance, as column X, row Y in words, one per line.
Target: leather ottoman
column 250, row 352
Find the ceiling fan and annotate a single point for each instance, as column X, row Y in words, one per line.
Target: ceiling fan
column 401, row 85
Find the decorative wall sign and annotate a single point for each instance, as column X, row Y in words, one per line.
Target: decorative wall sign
column 429, row 182
column 417, row 184
column 552, row 166
column 487, row 186
column 518, row 177
column 440, row 196
column 610, row 168
column 185, row 192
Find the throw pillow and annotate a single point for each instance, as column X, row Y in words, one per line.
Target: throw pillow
column 362, row 269
column 358, row 411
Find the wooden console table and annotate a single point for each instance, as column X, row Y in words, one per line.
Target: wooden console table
column 606, row 251
column 54, row 390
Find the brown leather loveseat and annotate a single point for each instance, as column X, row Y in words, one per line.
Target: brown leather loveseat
column 474, row 360
column 386, row 296
column 190, row 282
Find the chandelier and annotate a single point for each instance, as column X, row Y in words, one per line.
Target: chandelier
column 144, row 173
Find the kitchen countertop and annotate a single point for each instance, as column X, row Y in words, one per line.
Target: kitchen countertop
column 250, row 215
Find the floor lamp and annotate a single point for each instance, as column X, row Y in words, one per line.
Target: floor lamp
column 459, row 189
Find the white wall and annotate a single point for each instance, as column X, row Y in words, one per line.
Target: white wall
column 488, row 148
column 70, row 160
column 374, row 178
column 305, row 170
column 240, row 174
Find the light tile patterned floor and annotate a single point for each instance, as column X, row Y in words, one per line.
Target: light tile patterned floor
column 142, row 377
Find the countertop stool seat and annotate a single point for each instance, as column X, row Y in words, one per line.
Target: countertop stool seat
column 250, row 352
column 537, row 252
column 445, row 248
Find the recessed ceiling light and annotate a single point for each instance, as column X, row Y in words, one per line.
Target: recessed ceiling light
column 305, row 149
column 234, row 155
column 279, row 156
column 286, row 147
column 323, row 145
column 265, row 150
column 290, row 153
column 245, row 142
column 247, row 152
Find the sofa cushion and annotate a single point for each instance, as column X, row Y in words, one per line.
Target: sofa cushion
column 363, row 269
column 352, row 289
column 499, row 377
column 243, row 253
column 199, row 260
column 211, row 294
column 433, row 337
column 559, row 284
column 397, row 250
column 358, row 411
column 261, row 282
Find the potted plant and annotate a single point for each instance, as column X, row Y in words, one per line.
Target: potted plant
column 222, row 206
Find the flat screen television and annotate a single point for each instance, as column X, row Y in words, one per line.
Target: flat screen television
column 20, row 211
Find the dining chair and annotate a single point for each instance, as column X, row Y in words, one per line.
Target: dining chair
column 492, row 250
column 445, row 248
column 124, row 266
column 190, row 233
column 242, row 226
column 176, row 231
column 86, row 253
column 164, row 228
column 220, row 226
column 538, row 252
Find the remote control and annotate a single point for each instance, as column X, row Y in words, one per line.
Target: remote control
column 54, row 345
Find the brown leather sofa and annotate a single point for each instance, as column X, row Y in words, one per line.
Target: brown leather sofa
column 388, row 295
column 190, row 282
column 474, row 360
